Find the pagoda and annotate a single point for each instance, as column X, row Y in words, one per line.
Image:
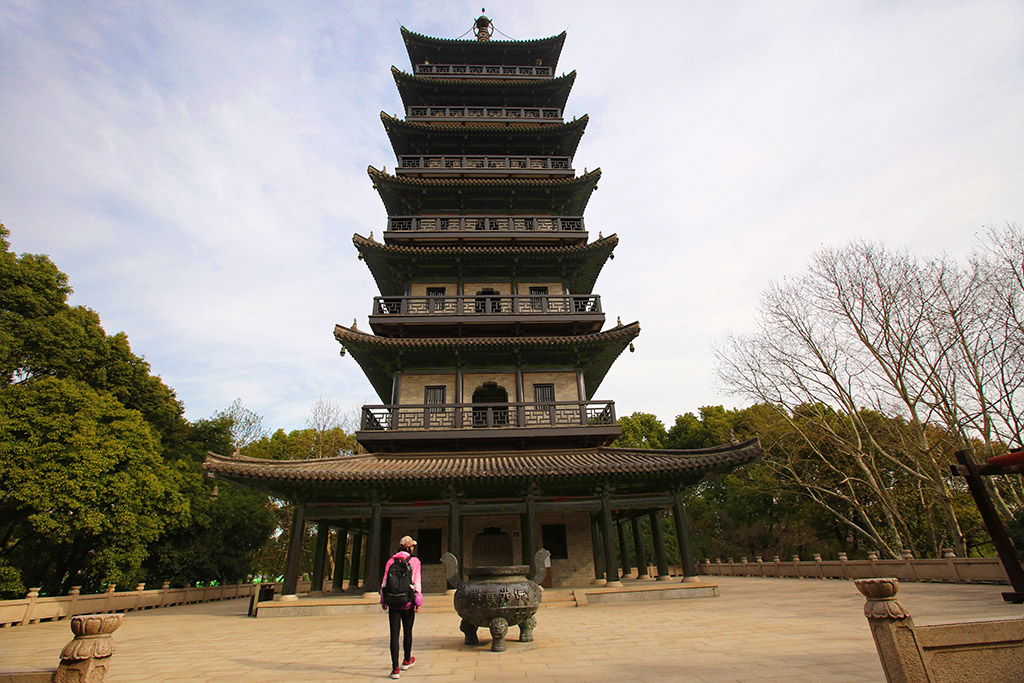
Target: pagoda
column 487, row 346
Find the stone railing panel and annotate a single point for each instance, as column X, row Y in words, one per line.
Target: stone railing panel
column 946, row 570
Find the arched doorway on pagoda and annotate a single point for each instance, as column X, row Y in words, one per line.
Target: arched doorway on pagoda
column 485, row 415
column 492, row 547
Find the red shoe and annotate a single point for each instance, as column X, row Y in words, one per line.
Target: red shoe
column 395, row 673
column 408, row 663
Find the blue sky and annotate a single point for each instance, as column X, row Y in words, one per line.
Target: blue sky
column 198, row 169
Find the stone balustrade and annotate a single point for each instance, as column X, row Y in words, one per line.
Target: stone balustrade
column 947, row 569
column 33, row 608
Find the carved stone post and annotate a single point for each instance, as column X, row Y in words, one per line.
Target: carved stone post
column 527, row 522
column 659, row 546
column 892, row 629
column 295, row 536
column 87, row 658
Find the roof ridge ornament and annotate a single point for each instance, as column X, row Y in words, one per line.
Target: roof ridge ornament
column 482, row 27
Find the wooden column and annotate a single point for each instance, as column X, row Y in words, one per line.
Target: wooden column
column 595, row 540
column 623, row 549
column 371, row 575
column 338, row 581
column 611, row 571
column 659, row 546
column 527, row 523
column 386, row 550
column 454, row 537
column 638, row 547
column 323, row 533
column 683, row 534
column 295, row 534
column 357, row 558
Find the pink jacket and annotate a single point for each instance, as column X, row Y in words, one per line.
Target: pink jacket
column 414, row 564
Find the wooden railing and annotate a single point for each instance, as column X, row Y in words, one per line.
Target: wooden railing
column 487, row 304
column 521, row 164
column 949, row 569
column 501, row 223
column 483, row 71
column 487, row 415
column 552, row 114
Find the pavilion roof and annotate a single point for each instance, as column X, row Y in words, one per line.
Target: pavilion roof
column 423, row 49
column 556, row 139
column 479, row 92
column 392, row 265
column 561, row 469
column 409, row 196
column 380, row 357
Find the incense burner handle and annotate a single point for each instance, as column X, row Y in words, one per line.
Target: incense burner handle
column 540, row 561
column 451, row 569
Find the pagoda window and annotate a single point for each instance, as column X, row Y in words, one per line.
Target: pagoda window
column 492, row 547
column 490, row 406
column 538, row 295
column 487, row 301
column 553, row 538
column 544, row 393
column 434, row 396
column 435, row 299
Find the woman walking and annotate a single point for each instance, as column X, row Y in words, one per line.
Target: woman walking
column 402, row 595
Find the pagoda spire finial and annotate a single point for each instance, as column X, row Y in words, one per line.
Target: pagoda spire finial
column 482, row 27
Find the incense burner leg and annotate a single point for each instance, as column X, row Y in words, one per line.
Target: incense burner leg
column 470, row 631
column 499, row 629
column 526, row 630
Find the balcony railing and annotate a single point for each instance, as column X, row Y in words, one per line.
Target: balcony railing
column 487, row 415
column 518, row 164
column 504, row 223
column 485, row 113
column 483, row 71
column 487, row 304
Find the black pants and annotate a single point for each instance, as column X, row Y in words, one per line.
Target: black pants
column 401, row 618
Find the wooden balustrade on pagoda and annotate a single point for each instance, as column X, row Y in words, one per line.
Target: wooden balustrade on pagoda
column 487, row 304
column 485, row 223
column 486, row 415
column 485, row 165
column 483, row 71
column 421, row 113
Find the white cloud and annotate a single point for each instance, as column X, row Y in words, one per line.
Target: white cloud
column 199, row 170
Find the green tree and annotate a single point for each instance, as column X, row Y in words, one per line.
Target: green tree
column 641, row 430
column 84, row 488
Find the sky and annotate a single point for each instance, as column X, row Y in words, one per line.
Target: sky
column 198, row 169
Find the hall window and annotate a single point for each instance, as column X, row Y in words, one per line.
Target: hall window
column 428, row 546
column 544, row 393
column 553, row 538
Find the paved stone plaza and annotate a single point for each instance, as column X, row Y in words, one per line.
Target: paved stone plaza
column 758, row 629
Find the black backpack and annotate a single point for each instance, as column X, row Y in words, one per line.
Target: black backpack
column 398, row 585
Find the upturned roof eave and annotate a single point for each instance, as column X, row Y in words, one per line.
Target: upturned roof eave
column 413, row 90
column 420, row 47
column 378, row 356
column 556, row 139
column 392, row 264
